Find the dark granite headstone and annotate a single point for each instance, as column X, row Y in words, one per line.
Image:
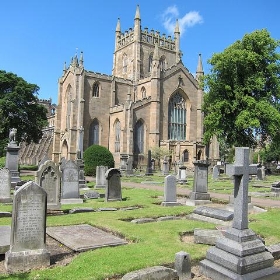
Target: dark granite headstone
column 28, row 230
column 113, row 188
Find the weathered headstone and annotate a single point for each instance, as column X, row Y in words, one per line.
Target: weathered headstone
column 183, row 265
column 170, row 196
column 12, row 157
column 28, row 230
column 113, row 185
column 100, row 177
column 48, row 177
column 5, row 186
column 129, row 170
column 240, row 254
column 165, row 166
column 123, row 161
column 5, row 233
column 216, row 172
column 70, row 183
column 82, row 180
column 149, row 170
column 200, row 194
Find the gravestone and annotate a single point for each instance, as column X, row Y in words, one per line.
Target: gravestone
column 28, row 230
column 100, row 177
column 182, row 177
column 170, row 197
column 84, row 237
column 82, row 180
column 165, row 166
column 129, row 170
column 240, row 254
column 123, row 161
column 149, row 169
column 48, row 177
column 215, row 213
column 12, row 157
column 5, row 233
column 5, row 186
column 216, row 172
column 70, row 183
column 183, row 265
column 113, row 185
column 199, row 194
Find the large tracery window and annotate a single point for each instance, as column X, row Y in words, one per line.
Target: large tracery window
column 117, row 136
column 177, row 117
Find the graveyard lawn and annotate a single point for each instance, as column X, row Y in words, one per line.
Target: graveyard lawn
column 150, row 244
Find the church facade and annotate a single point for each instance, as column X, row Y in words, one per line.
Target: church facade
column 150, row 100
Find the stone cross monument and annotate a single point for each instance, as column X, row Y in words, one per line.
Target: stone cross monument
column 240, row 254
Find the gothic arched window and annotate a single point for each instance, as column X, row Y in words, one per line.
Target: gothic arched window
column 143, row 92
column 139, row 137
column 94, row 133
column 162, row 63
column 95, row 90
column 177, row 117
column 124, row 63
column 117, row 136
column 186, row 156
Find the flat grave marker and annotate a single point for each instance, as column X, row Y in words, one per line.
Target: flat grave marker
column 84, row 237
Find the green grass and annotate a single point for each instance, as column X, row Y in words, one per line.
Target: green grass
column 149, row 244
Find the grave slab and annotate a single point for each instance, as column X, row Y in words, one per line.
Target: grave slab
column 219, row 214
column 5, row 233
column 207, row 236
column 84, row 237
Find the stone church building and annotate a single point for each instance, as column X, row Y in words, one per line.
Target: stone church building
column 150, row 100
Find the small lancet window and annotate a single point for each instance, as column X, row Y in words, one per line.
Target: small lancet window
column 124, row 63
column 143, row 92
column 95, row 90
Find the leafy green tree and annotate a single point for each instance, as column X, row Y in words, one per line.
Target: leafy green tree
column 19, row 109
column 159, row 153
column 242, row 91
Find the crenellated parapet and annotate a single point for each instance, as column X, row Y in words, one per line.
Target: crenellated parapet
column 150, row 37
column 154, row 37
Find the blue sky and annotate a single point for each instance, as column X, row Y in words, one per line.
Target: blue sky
column 38, row 36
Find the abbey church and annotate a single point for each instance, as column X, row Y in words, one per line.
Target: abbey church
column 150, row 100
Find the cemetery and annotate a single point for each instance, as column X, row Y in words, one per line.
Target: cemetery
column 131, row 225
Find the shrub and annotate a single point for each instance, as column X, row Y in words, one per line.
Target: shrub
column 96, row 155
column 2, row 162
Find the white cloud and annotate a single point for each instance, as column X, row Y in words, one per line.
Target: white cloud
column 171, row 14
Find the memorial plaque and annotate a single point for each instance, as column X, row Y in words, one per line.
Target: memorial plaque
column 84, row 237
column 5, row 185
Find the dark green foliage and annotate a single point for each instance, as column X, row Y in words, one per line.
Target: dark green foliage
column 2, row 162
column 96, row 155
column 19, row 109
column 242, row 99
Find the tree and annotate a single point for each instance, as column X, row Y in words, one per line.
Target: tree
column 19, row 108
column 159, row 153
column 242, row 92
